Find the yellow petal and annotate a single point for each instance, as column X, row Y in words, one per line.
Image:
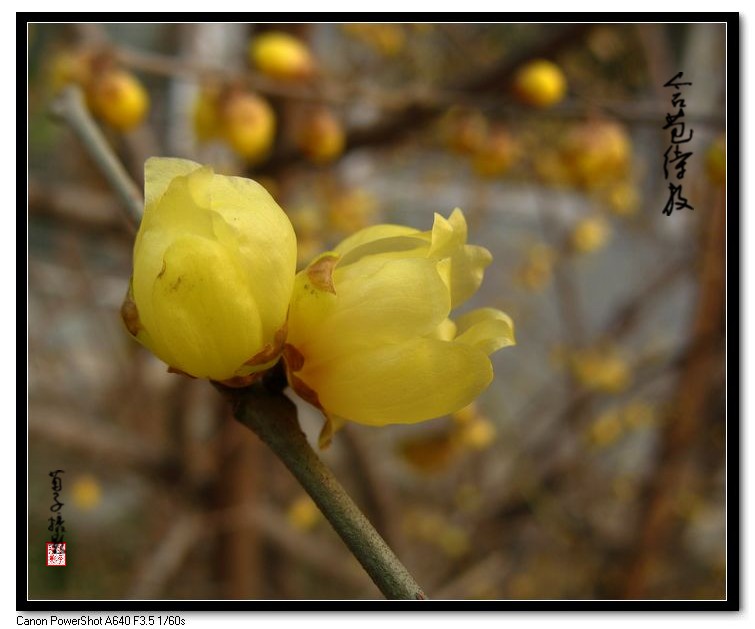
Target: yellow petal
column 182, row 207
column 468, row 266
column 177, row 214
column 204, row 324
column 371, row 234
column 408, row 382
column 263, row 242
column 485, row 328
column 376, row 302
column 160, row 171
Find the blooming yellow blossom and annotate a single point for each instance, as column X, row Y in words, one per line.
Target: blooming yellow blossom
column 281, row 56
column 214, row 266
column 369, row 334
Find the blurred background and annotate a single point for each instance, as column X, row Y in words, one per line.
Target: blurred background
column 593, row 466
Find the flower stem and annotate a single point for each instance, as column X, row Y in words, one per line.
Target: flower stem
column 70, row 108
column 272, row 417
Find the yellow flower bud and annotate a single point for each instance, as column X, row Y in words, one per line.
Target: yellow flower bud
column 597, row 152
column 715, row 161
column 86, row 492
column 540, row 83
column 281, row 56
column 303, row 513
column 590, row 234
column 68, row 66
column 206, row 115
column 352, row 210
column 601, row 369
column 321, row 137
column 370, row 338
column 496, row 154
column 214, row 265
column 248, row 125
column 118, row 98
column 463, row 130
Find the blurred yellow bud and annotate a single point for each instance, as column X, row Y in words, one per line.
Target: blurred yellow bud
column 540, row 83
column 601, row 369
column 387, row 40
column 206, row 115
column 715, row 160
column 430, row 454
column 370, row 338
column 352, row 210
column 437, row 530
column 69, row 66
column 537, row 268
column 463, row 130
column 86, row 492
column 281, row 56
column 623, row 198
column 639, row 415
column 495, row 156
column 118, row 98
column 248, row 125
column 478, row 434
column 214, row 265
column 606, row 429
column 321, row 137
column 590, row 234
column 303, row 513
column 597, row 152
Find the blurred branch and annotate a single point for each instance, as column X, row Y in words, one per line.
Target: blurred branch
column 272, row 417
column 70, row 108
column 423, row 109
column 683, row 424
column 321, row 556
column 167, row 559
column 77, row 206
column 98, row 440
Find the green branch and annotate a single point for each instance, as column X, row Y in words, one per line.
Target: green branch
column 272, row 417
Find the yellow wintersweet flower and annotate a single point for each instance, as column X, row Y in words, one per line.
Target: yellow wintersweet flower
column 214, row 266
column 369, row 334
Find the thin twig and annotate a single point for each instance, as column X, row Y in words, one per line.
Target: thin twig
column 70, row 108
column 272, row 417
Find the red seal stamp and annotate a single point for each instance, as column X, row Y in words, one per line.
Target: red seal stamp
column 56, row 554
